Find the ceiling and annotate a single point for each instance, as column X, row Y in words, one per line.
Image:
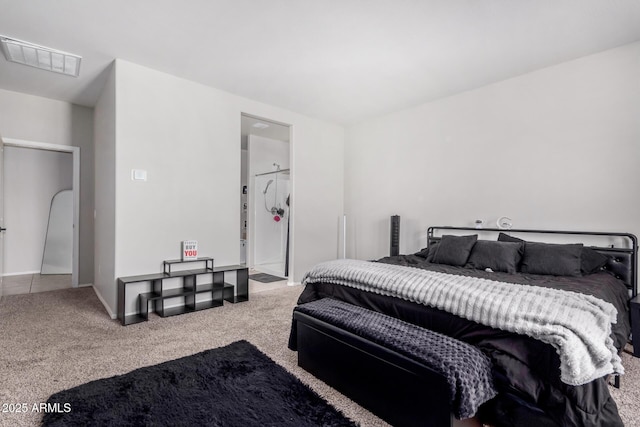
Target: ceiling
column 338, row 60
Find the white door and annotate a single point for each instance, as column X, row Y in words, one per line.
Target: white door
column 1, row 214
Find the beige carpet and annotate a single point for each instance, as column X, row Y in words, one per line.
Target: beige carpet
column 55, row 340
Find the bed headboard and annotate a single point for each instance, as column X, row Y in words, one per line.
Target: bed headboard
column 623, row 257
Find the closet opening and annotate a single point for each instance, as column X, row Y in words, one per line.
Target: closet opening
column 41, row 211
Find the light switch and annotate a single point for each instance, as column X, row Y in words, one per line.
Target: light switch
column 138, row 174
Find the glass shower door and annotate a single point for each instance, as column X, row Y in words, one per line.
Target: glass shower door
column 271, row 215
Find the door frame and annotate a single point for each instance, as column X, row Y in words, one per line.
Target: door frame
column 75, row 151
column 251, row 196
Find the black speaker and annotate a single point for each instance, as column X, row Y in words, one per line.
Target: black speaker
column 394, row 239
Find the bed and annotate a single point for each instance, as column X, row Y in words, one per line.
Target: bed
column 536, row 383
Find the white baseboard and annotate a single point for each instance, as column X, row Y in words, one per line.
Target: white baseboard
column 106, row 306
column 23, row 273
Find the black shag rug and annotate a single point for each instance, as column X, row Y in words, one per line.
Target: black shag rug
column 265, row 278
column 236, row 385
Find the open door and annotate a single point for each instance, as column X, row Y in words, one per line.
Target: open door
column 1, row 216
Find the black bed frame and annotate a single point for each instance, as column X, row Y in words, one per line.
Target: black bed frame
column 623, row 261
column 401, row 391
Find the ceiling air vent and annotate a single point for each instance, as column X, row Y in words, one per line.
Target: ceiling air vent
column 41, row 57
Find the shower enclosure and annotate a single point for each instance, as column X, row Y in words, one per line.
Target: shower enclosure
column 271, row 222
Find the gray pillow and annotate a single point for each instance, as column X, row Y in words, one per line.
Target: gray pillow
column 502, row 237
column 432, row 251
column 428, row 252
column 592, row 261
column 498, row 256
column 552, row 259
column 454, row 250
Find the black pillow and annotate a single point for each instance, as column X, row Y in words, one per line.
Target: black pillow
column 422, row 253
column 432, row 251
column 592, row 261
column 428, row 252
column 454, row 250
column 502, row 237
column 498, row 256
column 552, row 259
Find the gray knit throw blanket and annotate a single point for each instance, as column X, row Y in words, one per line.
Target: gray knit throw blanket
column 466, row 369
column 578, row 326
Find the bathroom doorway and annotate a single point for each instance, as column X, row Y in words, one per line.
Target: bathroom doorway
column 265, row 225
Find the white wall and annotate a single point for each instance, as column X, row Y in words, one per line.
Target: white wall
column 187, row 137
column 31, row 179
column 557, row 148
column 105, row 194
column 37, row 119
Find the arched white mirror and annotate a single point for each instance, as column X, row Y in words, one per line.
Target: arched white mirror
column 58, row 246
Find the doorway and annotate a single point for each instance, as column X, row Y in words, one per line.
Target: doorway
column 265, row 225
column 56, row 166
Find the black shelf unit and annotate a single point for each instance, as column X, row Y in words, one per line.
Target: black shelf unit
column 166, row 264
column 231, row 293
column 215, row 286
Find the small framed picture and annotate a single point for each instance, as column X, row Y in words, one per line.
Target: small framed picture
column 189, row 250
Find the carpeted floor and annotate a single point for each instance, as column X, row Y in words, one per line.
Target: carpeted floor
column 56, row 340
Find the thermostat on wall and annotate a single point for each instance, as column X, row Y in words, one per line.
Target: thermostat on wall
column 138, row 174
